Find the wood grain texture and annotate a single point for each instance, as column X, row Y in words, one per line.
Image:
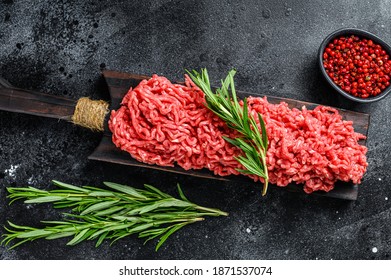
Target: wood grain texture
column 119, row 84
column 34, row 103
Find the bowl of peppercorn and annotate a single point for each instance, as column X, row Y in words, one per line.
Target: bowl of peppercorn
column 357, row 64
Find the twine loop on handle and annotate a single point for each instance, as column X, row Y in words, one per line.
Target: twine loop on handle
column 90, row 113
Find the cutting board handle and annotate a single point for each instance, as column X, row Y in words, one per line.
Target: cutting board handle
column 17, row 100
column 84, row 112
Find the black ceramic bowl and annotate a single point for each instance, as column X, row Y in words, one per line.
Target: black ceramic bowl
column 361, row 34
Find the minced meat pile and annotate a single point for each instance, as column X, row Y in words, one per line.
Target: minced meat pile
column 166, row 124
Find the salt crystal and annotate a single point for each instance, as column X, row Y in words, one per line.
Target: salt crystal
column 374, row 250
column 30, row 180
column 248, row 230
column 12, row 171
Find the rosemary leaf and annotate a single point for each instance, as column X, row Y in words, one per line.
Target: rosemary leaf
column 125, row 189
column 157, row 191
column 168, row 233
column 68, row 186
column 79, row 237
column 99, row 206
column 44, row 199
column 181, row 194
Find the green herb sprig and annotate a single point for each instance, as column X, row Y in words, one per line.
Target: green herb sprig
column 224, row 103
column 100, row 214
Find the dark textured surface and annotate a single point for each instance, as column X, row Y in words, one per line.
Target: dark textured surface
column 60, row 47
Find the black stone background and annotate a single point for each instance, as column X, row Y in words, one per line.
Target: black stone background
column 59, row 47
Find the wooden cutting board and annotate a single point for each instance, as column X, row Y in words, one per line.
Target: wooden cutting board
column 34, row 103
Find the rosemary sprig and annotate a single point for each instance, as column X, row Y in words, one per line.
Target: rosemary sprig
column 224, row 103
column 99, row 214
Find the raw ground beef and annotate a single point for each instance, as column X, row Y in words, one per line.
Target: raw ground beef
column 165, row 124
